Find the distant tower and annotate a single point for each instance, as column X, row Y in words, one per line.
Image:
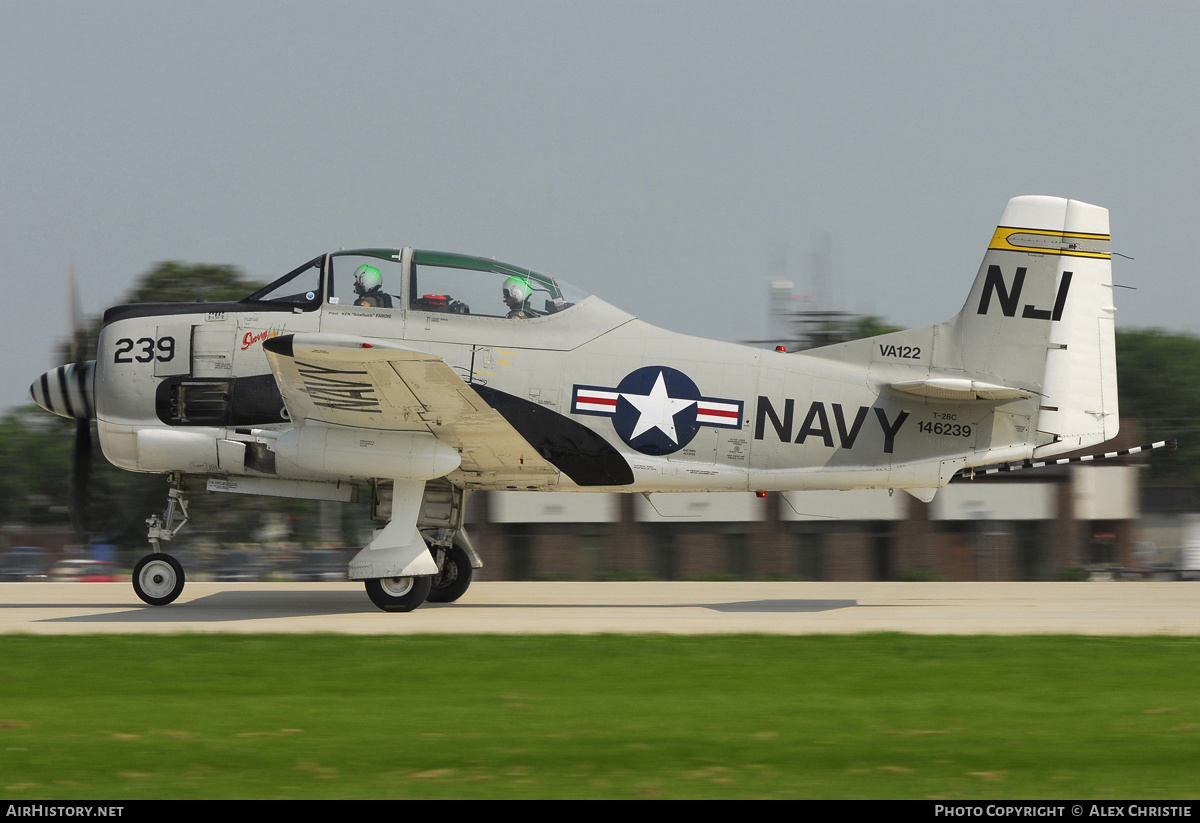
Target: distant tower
column 822, row 261
column 804, row 322
column 780, row 295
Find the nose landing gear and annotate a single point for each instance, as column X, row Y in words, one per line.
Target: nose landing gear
column 158, row 577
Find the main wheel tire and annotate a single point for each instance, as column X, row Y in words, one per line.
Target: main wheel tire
column 158, row 579
column 398, row 594
column 452, row 581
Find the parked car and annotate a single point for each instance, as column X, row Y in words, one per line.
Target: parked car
column 84, row 571
column 21, row 563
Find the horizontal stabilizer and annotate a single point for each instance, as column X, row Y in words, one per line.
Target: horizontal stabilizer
column 961, row 389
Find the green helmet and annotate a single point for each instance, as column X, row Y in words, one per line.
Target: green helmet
column 367, row 278
column 517, row 289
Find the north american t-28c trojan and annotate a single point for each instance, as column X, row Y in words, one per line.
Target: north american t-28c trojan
column 423, row 375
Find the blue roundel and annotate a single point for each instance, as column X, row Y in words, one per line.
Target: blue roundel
column 656, row 411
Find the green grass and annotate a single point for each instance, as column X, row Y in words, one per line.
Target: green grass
column 866, row 716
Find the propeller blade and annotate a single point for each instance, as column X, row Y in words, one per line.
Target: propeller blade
column 77, row 330
column 81, row 463
column 81, row 471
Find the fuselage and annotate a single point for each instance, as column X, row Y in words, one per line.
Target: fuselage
column 173, row 383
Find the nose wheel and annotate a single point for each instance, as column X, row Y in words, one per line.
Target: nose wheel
column 158, row 579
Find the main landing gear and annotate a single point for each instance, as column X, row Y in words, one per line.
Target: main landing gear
column 437, row 510
column 403, row 594
column 454, row 575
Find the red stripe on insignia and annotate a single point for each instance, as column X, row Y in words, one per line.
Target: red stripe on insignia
column 596, row 399
column 711, row 411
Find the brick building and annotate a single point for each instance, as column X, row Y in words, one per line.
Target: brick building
column 1038, row 525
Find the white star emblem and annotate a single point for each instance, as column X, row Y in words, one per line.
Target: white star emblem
column 658, row 410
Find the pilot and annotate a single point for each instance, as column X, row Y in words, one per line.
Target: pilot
column 516, row 292
column 368, row 285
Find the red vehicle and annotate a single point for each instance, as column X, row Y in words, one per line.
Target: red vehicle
column 84, row 571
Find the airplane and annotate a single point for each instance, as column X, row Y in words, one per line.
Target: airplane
column 422, row 375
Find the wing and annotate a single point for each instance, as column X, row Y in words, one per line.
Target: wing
column 365, row 383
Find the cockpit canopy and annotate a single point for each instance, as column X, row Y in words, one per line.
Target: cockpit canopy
column 430, row 281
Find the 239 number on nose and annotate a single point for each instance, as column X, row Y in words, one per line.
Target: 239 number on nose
column 144, row 349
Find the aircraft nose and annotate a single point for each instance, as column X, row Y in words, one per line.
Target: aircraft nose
column 68, row 391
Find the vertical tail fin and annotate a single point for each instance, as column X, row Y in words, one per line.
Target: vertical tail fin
column 1035, row 338
column 1040, row 317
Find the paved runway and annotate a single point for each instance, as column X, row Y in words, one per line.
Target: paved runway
column 580, row 608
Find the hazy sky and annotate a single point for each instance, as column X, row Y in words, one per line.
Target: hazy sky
column 657, row 154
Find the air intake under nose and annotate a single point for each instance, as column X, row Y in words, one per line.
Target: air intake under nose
column 68, row 391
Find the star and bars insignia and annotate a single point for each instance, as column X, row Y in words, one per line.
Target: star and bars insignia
column 656, row 409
